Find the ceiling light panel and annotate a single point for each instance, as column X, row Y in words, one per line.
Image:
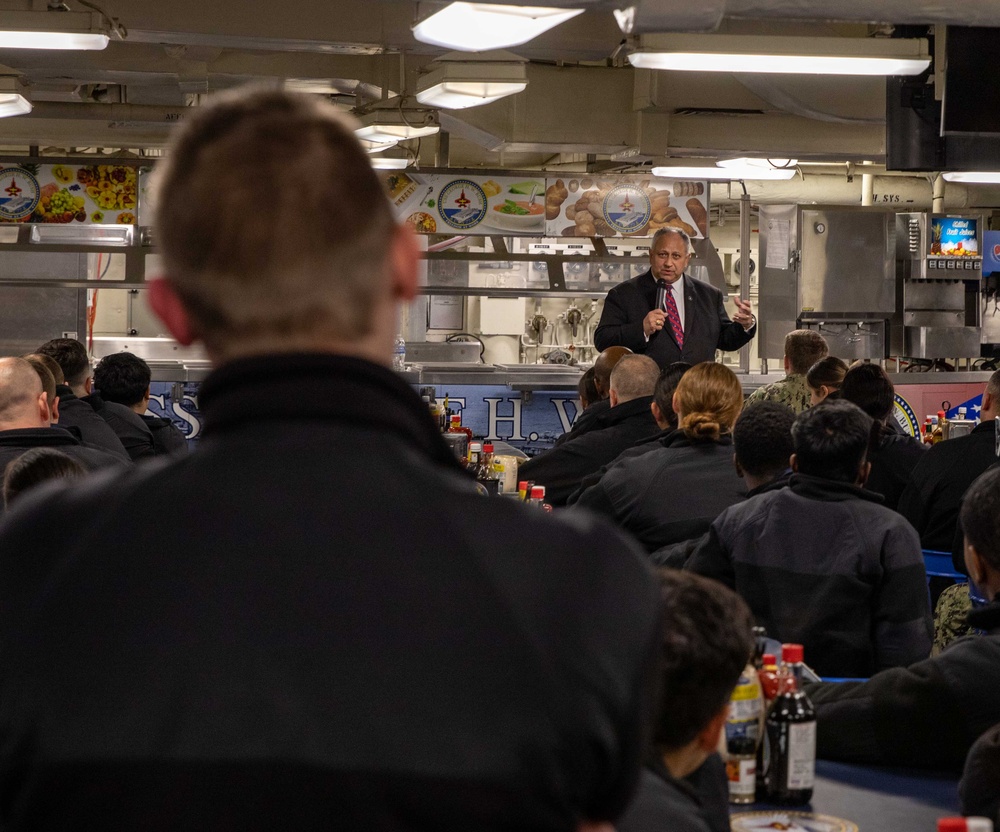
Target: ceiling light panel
column 973, row 177
column 475, row 27
column 457, row 85
column 800, row 55
column 52, row 30
column 727, row 173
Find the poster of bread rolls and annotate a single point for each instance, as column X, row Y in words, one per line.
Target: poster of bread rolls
column 584, row 205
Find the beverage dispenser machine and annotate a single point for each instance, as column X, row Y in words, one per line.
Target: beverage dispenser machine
column 939, row 265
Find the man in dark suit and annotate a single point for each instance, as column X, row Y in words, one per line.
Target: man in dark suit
column 667, row 314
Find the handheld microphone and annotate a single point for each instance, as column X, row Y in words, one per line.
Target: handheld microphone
column 661, row 295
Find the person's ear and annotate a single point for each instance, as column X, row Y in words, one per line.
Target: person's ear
column 44, row 413
column 736, row 465
column 88, row 385
column 654, row 408
column 675, row 402
column 613, row 397
column 404, row 260
column 55, row 409
column 863, row 472
column 973, row 563
column 793, row 463
column 987, row 403
column 169, row 308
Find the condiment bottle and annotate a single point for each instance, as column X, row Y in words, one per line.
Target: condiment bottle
column 970, row 824
column 790, row 745
column 792, row 655
column 522, row 490
column 537, row 497
column 742, row 736
column 475, row 451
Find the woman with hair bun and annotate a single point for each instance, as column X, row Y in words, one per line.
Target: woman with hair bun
column 673, row 493
column 824, row 379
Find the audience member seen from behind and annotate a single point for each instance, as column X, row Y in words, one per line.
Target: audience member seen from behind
column 980, row 786
column 124, row 378
column 892, row 455
column 662, row 408
column 929, row 714
column 587, row 419
column 41, row 364
column 587, row 389
column 76, row 409
column 35, row 467
column 822, row 563
column 26, row 418
column 674, row 492
column 706, row 643
column 296, row 560
column 762, row 448
column 627, row 421
column 932, row 498
column 803, row 348
column 824, row 379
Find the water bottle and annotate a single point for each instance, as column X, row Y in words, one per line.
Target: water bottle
column 399, row 354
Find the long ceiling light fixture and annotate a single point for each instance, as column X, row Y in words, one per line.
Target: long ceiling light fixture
column 734, row 170
column 53, row 30
column 14, row 99
column 459, row 80
column 775, row 54
column 973, row 177
column 476, row 27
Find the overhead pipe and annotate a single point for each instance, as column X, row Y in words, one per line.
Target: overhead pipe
column 937, row 201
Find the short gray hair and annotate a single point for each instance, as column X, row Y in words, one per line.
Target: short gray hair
column 634, row 376
column 669, row 229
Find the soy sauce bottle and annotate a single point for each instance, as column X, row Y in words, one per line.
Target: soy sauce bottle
column 790, row 746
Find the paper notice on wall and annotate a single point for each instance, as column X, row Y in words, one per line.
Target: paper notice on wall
column 776, row 256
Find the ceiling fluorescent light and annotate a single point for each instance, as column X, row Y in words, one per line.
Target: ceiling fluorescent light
column 458, row 81
column 801, row 55
column 973, row 177
column 52, row 30
column 390, row 162
column 759, row 164
column 727, row 173
column 475, row 27
column 14, row 99
column 391, row 122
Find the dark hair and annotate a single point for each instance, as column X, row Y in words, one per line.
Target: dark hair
column 38, row 364
column 36, row 466
column 663, row 393
column 586, row 389
column 707, row 641
column 71, row 356
column 762, row 438
column 869, row 387
column 980, row 516
column 122, row 378
column 828, row 372
column 831, row 440
column 804, row 347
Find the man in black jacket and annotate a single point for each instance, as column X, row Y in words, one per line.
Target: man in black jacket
column 668, row 315
column 122, row 380
column 26, row 420
column 932, row 498
column 73, row 390
column 822, row 563
column 588, row 419
column 315, row 622
column 628, row 420
column 930, row 713
column 707, row 642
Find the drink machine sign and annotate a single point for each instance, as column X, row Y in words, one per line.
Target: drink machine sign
column 954, row 236
column 991, row 252
column 64, row 194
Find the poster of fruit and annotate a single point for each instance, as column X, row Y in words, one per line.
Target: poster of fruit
column 89, row 194
column 452, row 204
column 578, row 205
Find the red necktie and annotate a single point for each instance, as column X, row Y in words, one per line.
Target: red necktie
column 670, row 307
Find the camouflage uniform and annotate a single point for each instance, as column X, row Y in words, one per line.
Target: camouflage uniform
column 950, row 616
column 792, row 390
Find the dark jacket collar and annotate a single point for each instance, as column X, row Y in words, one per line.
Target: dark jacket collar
column 988, row 617
column 679, row 439
column 95, row 401
column 984, row 427
column 627, row 410
column 817, row 488
column 781, row 481
column 319, row 386
column 65, row 393
column 36, row 437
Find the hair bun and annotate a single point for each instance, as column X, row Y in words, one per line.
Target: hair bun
column 701, row 426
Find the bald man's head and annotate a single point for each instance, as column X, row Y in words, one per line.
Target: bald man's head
column 603, row 366
column 23, row 403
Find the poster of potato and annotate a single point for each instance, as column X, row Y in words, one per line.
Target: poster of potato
column 89, row 194
column 438, row 203
column 623, row 206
